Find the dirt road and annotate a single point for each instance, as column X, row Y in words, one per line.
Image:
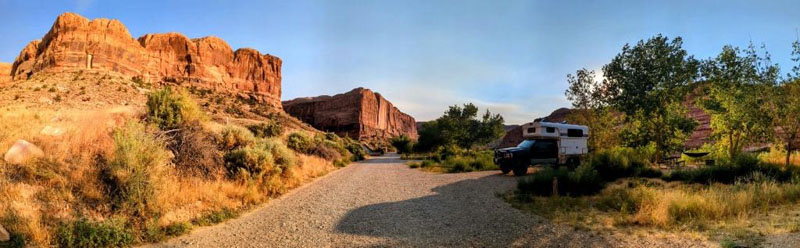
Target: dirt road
column 381, row 202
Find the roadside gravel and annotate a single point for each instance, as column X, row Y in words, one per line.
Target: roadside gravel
column 381, row 202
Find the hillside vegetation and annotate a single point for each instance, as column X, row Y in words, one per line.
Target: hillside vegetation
column 639, row 124
column 116, row 175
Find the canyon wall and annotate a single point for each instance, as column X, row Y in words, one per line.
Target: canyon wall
column 360, row 114
column 76, row 43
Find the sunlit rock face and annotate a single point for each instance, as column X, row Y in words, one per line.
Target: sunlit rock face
column 77, row 43
column 360, row 114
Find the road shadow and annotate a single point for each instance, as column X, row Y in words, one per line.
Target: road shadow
column 464, row 213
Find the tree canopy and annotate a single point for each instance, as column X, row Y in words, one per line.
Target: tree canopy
column 460, row 126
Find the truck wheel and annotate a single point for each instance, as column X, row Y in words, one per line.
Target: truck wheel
column 520, row 169
column 505, row 168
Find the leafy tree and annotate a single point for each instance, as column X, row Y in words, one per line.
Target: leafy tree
column 785, row 106
column 736, row 94
column 589, row 109
column 645, row 82
column 460, row 126
column 402, row 143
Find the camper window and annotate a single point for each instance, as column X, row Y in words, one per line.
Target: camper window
column 574, row 132
column 531, row 130
column 551, row 129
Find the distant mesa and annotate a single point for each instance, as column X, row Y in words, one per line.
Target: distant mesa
column 75, row 43
column 360, row 114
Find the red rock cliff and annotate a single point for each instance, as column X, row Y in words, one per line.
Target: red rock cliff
column 76, row 43
column 360, row 114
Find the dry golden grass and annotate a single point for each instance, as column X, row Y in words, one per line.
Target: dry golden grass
column 65, row 184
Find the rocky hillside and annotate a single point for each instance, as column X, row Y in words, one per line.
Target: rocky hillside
column 75, row 43
column 360, row 114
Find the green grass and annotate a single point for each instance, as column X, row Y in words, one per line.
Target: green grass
column 82, row 233
column 465, row 162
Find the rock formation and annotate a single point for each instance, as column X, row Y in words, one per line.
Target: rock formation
column 360, row 114
column 76, row 43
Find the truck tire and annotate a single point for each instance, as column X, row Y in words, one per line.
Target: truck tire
column 505, row 168
column 573, row 162
column 520, row 169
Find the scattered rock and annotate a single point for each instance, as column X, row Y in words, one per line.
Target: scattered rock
column 360, row 114
column 21, row 152
column 4, row 235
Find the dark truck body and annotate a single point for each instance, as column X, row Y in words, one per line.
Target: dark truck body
column 546, row 144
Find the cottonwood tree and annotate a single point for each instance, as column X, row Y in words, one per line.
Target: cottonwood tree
column 786, row 108
column 586, row 95
column 460, row 126
column 737, row 92
column 647, row 82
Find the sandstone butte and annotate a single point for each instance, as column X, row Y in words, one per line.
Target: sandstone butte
column 75, row 43
column 360, row 114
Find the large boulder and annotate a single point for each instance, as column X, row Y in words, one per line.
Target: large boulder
column 22, row 151
column 75, row 43
column 360, row 114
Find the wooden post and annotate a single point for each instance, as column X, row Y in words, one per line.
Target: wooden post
column 555, row 186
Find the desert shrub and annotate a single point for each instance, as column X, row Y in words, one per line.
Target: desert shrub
column 729, row 170
column 250, row 162
column 355, row 149
column 215, row 217
column 283, row 157
column 169, row 109
column 83, row 233
column 325, row 150
column 233, row 137
column 300, row 142
column 196, row 152
column 266, row 129
column 619, row 162
column 585, row 180
column 130, row 174
column 402, row 143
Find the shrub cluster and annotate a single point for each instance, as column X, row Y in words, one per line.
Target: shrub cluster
column 730, row 170
column 130, row 174
column 592, row 175
column 584, row 180
column 453, row 161
column 83, row 233
column 233, row 137
column 267, row 129
column 328, row 146
column 403, row 144
column 169, row 109
column 263, row 159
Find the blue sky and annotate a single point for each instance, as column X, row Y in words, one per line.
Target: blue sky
column 509, row 56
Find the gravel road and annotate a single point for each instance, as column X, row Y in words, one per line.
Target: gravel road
column 381, row 202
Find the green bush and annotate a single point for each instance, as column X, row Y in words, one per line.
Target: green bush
column 266, row 129
column 356, row 150
column 130, row 173
column 83, row 233
column 730, row 170
column 402, row 143
column 252, row 162
column 233, row 137
column 283, row 157
column 215, row 217
column 300, row 142
column 585, row 180
column 619, row 162
column 169, row 109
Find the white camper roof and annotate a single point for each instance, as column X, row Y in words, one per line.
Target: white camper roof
column 553, row 130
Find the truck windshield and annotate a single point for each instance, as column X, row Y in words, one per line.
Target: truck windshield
column 526, row 144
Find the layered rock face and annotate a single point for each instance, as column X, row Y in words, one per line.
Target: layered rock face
column 76, row 43
column 360, row 114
